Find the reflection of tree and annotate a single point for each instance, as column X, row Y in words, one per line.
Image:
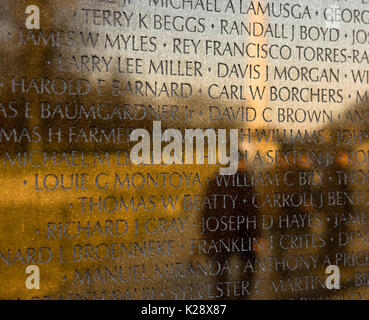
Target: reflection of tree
column 327, row 214
column 31, row 61
column 249, row 232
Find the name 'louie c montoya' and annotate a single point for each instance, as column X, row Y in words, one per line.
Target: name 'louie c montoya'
column 172, row 153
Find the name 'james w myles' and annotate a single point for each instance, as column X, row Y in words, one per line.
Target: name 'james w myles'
column 172, row 153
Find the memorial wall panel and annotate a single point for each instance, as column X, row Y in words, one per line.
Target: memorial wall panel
column 184, row 149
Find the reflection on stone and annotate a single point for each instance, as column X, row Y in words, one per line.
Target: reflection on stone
column 117, row 121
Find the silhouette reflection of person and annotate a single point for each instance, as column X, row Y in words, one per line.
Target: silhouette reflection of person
column 235, row 224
